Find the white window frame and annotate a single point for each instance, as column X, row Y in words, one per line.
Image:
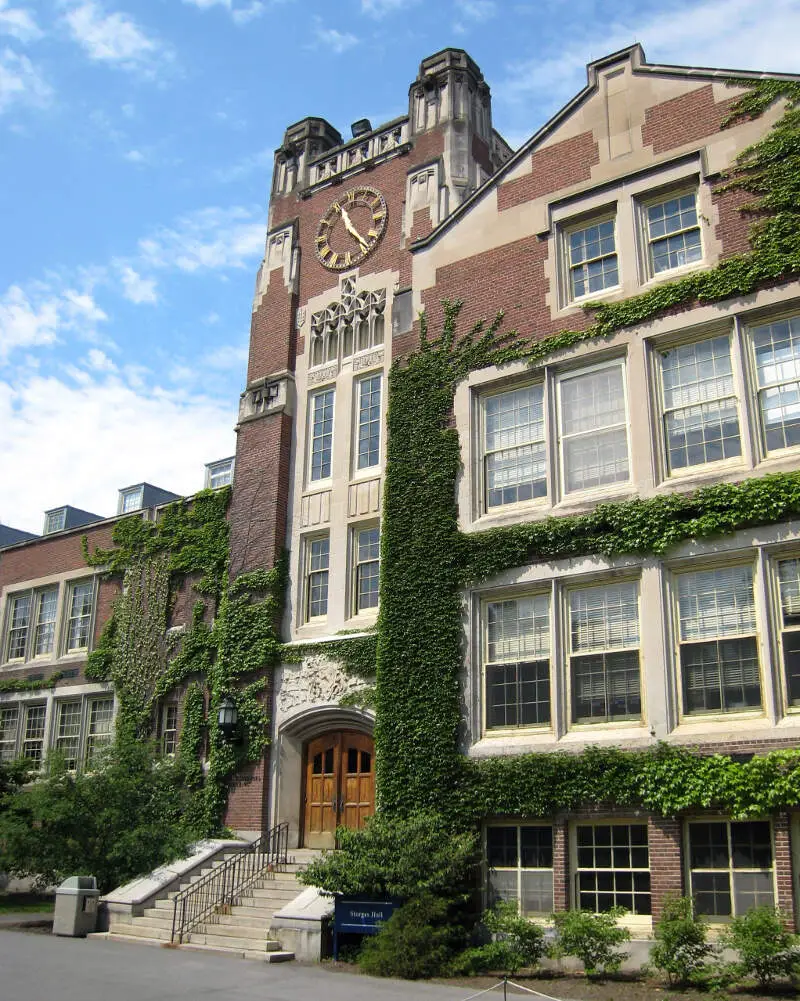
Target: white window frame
column 135, row 494
column 576, row 870
column 647, row 200
column 565, row 230
column 484, row 452
column 59, row 740
column 69, row 651
column 357, row 563
column 220, row 468
column 168, row 734
column 604, row 488
column 309, row 574
column 12, row 743
column 41, row 739
column 93, row 741
column 546, row 592
column 697, row 567
column 781, row 630
column 55, row 521
column 731, row 870
column 312, row 398
column 659, row 350
column 519, row 869
column 759, row 429
column 358, row 384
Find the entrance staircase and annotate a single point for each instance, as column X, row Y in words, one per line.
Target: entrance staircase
column 237, row 928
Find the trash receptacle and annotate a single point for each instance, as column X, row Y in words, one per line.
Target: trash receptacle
column 76, row 907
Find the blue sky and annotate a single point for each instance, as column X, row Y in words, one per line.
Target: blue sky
column 136, row 141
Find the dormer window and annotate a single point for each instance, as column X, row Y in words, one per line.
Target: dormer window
column 130, row 500
column 219, row 474
column 55, row 521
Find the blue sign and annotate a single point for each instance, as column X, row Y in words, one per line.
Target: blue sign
column 361, row 917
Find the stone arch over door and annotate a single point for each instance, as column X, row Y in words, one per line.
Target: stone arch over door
column 290, row 763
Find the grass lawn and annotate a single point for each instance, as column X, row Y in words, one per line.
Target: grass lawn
column 25, row 903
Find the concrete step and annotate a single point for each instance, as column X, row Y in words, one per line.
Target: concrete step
column 243, row 942
column 254, row 931
column 138, row 930
column 254, row 914
column 243, row 919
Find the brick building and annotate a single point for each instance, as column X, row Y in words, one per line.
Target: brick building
column 615, row 195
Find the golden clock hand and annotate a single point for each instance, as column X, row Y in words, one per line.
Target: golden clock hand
column 348, row 225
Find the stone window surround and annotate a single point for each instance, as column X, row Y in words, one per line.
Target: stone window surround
column 662, row 710
column 649, row 471
column 64, row 582
column 51, row 698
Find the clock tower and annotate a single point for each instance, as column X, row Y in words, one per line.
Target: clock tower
column 333, row 305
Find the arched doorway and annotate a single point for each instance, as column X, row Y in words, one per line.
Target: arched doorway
column 339, row 785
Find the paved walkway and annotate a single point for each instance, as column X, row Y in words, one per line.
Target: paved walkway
column 47, row 968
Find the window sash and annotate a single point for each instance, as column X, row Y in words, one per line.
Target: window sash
column 169, row 729
column 369, row 422
column 699, row 404
column 68, row 732
column 776, row 352
column 673, row 244
column 515, row 464
column 518, row 694
column 322, row 405
column 592, row 261
column 612, row 868
column 721, row 676
column 724, row 881
column 716, row 604
column 318, row 560
column 367, row 568
column 46, row 611
column 9, row 727
column 606, row 688
column 518, row 629
column 593, row 428
column 99, row 728
column 33, row 734
column 519, row 860
column 81, row 602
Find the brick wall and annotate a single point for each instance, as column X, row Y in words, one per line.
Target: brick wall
column 561, row 876
column 685, row 119
column 666, row 874
column 552, row 168
column 248, row 795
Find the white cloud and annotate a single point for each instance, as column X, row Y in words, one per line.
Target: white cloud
column 134, row 156
column 737, row 34
column 21, row 82
column 96, row 433
column 473, row 12
column 39, row 316
column 212, row 238
column 336, row 41
column 135, row 288
column 115, row 39
column 230, row 357
column 99, row 361
column 240, row 13
column 379, row 8
column 18, row 22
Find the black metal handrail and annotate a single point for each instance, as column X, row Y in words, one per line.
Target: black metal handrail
column 225, row 885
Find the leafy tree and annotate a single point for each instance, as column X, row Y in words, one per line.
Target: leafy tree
column 12, row 777
column 591, row 938
column 398, row 857
column 680, row 948
column 767, row 951
column 122, row 819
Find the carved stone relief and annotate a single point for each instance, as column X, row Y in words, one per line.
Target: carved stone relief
column 367, row 361
column 316, row 681
column 323, row 374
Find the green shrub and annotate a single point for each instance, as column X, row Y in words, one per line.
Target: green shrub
column 680, row 949
column 398, row 857
column 517, row 943
column 591, row 938
column 419, row 940
column 767, row 951
column 122, row 819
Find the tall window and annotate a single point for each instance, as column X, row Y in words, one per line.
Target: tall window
column 46, row 608
column 789, row 584
column 673, row 233
column 731, row 865
column 604, row 653
column 81, row 598
column 593, row 428
column 613, row 867
column 99, row 729
column 317, row 563
column 592, row 259
column 19, row 620
column 367, row 567
column 369, row 421
column 513, row 446
column 33, row 733
column 68, row 732
column 777, row 361
column 518, row 661
column 168, row 728
column 9, row 721
column 519, row 859
column 701, row 420
column 718, row 648
column 321, row 434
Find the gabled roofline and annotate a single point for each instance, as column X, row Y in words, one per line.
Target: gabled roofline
column 634, row 53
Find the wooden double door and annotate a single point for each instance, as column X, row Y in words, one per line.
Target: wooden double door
column 339, row 786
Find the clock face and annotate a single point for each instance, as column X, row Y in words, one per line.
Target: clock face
column 351, row 228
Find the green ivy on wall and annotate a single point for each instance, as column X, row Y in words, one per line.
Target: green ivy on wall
column 426, row 563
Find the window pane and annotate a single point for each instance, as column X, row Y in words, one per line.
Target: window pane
column 369, row 422
column 708, row 846
column 501, row 846
column 514, row 446
column 46, row 622
column 502, row 885
column 711, row 892
column 318, row 558
column 789, row 583
column 606, row 687
column 518, row 694
column 100, row 720
column 19, row 621
column 592, row 259
column 751, row 845
column 68, row 732
column 604, row 618
column 721, row 676
column 321, row 434
column 367, row 568
column 537, row 892
column 674, row 233
column 9, row 719
column 518, row 628
column 33, row 739
column 609, row 856
column 80, row 616
column 777, row 354
column 593, row 429
column 716, row 603
column 752, row 889
column 536, row 847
